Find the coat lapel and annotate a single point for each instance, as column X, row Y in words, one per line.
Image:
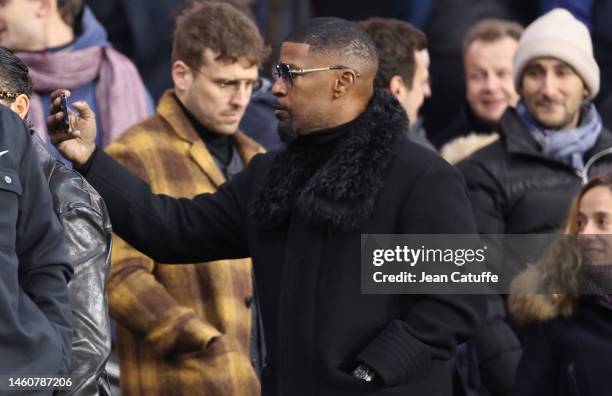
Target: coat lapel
column 170, row 110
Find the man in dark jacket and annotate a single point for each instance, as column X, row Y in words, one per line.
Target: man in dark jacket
column 88, row 235
column 300, row 212
column 524, row 182
column 403, row 68
column 35, row 329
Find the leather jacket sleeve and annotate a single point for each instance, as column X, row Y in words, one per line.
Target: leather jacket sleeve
column 88, row 236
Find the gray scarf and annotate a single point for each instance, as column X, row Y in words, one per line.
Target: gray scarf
column 568, row 146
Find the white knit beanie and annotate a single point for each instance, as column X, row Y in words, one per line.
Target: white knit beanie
column 559, row 35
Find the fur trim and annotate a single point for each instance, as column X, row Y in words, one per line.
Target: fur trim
column 336, row 190
column 462, row 147
column 527, row 306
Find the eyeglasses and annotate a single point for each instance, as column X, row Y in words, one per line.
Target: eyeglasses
column 284, row 71
column 232, row 86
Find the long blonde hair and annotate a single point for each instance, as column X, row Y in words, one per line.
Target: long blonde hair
column 557, row 272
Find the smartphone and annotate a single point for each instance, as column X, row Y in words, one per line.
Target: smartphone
column 64, row 110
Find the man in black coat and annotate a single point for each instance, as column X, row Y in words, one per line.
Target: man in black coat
column 88, row 236
column 403, row 68
column 299, row 213
column 35, row 328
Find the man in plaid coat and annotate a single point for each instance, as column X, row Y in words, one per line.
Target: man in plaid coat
column 187, row 329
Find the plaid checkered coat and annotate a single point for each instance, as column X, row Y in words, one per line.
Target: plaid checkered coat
column 168, row 314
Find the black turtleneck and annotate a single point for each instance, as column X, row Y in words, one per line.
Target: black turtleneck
column 325, row 140
column 219, row 145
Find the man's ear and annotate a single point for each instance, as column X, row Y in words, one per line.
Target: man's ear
column 346, row 80
column 397, row 86
column 21, row 106
column 181, row 76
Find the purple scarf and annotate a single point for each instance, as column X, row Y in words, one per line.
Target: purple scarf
column 121, row 99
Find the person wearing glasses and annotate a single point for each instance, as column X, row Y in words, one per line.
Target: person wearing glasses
column 348, row 169
column 87, row 233
column 167, row 315
column 35, row 310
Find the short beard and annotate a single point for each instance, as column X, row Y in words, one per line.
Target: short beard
column 562, row 124
column 286, row 133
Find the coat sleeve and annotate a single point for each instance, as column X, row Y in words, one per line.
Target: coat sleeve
column 485, row 196
column 436, row 324
column 44, row 271
column 142, row 304
column 88, row 237
column 173, row 230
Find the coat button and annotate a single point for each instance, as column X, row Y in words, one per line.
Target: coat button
column 8, row 179
column 248, row 301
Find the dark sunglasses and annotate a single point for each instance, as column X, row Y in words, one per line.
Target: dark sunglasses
column 284, row 71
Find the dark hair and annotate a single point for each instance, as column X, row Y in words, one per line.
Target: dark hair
column 71, row 11
column 339, row 38
column 396, row 42
column 220, row 27
column 14, row 75
column 490, row 30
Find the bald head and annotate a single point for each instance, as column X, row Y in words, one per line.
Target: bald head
column 341, row 40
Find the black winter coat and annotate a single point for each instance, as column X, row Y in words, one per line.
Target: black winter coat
column 300, row 213
column 35, row 329
column 568, row 356
column 515, row 189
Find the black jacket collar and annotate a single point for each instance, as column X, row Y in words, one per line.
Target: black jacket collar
column 338, row 189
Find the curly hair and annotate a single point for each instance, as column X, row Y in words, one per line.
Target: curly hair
column 219, row 26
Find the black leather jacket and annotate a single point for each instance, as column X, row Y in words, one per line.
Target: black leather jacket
column 88, row 235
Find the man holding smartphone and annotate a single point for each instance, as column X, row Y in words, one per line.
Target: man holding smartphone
column 300, row 212
column 167, row 315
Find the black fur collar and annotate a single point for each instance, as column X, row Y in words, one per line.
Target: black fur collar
column 336, row 190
